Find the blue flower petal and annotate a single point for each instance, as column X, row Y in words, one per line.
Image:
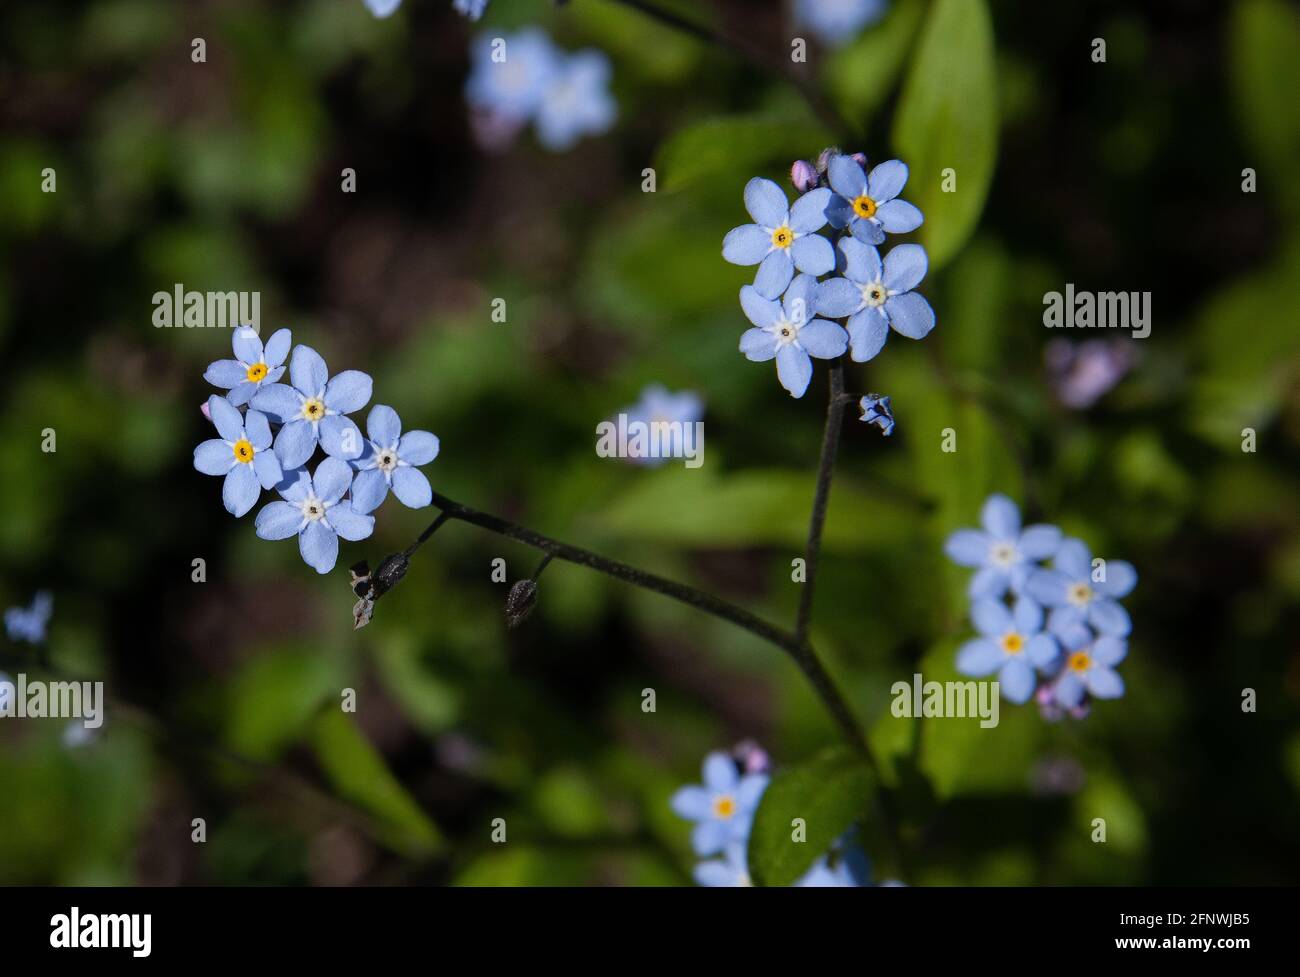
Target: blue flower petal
column 988, row 582
column 242, row 393
column 793, row 369
column 809, row 212
column 758, row 308
column 369, row 489
column 991, row 618
column 348, row 391
column 886, row 180
column 1121, row 578
column 277, row 348
column 979, row 657
column 1039, row 541
column 1028, row 615
column 910, row 314
column 240, row 490
column 295, row 443
column 758, row 345
column 1074, row 559
column 774, row 274
column 226, row 373
column 746, row 245
column 319, row 546
column 847, row 177
column 813, row 254
column 1048, row 587
column 1000, row 517
column 838, row 297
column 693, row 803
column 967, row 547
column 247, row 345
column 214, row 457
column 709, row 837
column 229, row 422
column 823, row 339
column 1069, row 689
column 1017, row 680
column 839, row 212
column 412, row 488
column 867, row 231
column 766, row 202
column 257, row 430
column 720, row 774
column 308, row 371
column 1104, row 683
column 266, row 466
column 861, row 261
column 278, row 520
column 348, row 523
column 1108, row 617
column 280, row 402
column 418, row 447
column 341, row 438
column 868, row 331
column 332, row 478
column 1043, row 651
column 899, row 217
column 905, row 266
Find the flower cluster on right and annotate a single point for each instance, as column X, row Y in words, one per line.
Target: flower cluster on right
column 1052, row 632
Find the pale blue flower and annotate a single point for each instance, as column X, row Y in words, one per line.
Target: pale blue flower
column 729, row 872
column 242, row 453
column 29, row 623
column 1004, row 553
column 1080, row 595
column 876, row 295
column 782, row 237
column 511, row 73
column 868, row 205
column 836, row 22
column 473, row 9
column 658, row 405
column 314, row 509
column 253, row 365
column 382, row 8
column 723, row 808
column 787, row 332
column 1090, row 670
column 388, row 462
column 1011, row 643
column 313, row 409
column 576, row 101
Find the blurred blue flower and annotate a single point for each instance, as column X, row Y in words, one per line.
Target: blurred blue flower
column 1080, row 595
column 312, row 409
column 242, row 454
column 788, row 332
column 1091, row 670
column 388, row 461
column 845, row 866
column 876, row 295
column 1004, row 553
column 473, row 9
column 576, row 101
column 1012, row 643
column 658, row 405
column 510, row 74
column 781, row 237
column 252, row 366
column 723, row 808
column 29, row 623
column 313, row 508
column 877, row 410
column 729, row 872
column 868, row 205
column 836, row 22
column 382, row 8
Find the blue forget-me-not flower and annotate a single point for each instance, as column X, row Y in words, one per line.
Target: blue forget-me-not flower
column 314, row 509
column 788, row 332
column 1011, row 643
column 388, row 462
column 313, row 409
column 781, row 238
column 382, row 8
column 723, row 808
column 1080, row 594
column 253, row 365
column 576, row 100
column 876, row 295
column 1090, row 670
column 473, row 9
column 876, row 410
column 1004, row 553
column 868, row 205
column 29, row 623
column 242, row 453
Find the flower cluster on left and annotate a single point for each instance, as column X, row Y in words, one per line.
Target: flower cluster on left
column 310, row 412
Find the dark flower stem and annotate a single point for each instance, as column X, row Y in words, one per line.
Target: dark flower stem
column 825, row 471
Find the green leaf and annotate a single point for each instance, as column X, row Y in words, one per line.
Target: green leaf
column 360, row 776
column 736, row 146
column 1264, row 43
column 860, row 75
column 947, row 118
column 829, row 793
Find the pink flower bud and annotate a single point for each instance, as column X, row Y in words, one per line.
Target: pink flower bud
column 204, row 407
column 803, row 175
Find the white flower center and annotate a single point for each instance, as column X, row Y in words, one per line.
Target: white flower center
column 1079, row 594
column 313, row 509
column 386, row 459
column 1002, row 554
column 874, row 294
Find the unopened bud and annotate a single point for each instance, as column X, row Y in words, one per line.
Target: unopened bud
column 824, row 157
column 803, row 175
column 204, row 407
column 876, row 410
column 860, row 159
column 520, row 602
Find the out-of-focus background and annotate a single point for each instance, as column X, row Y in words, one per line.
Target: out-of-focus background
column 1122, row 175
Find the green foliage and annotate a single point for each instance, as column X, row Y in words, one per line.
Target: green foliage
column 728, row 147
column 861, row 75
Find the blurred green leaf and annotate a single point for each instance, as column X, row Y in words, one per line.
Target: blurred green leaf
column 359, row 775
column 272, row 697
column 829, row 792
column 736, row 146
column 1264, row 46
column 948, row 117
column 860, row 75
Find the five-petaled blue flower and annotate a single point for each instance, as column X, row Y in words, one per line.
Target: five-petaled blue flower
column 1012, row 643
column 723, row 808
column 576, row 101
column 868, row 205
column 314, row 509
column 658, row 405
column 242, row 454
column 1080, row 594
column 510, row 78
column 1091, row 669
column 876, row 295
column 1004, row 553
column 29, row 623
column 788, row 331
column 877, row 410
column 837, row 22
column 253, row 365
column 781, row 237
column 312, row 409
column 388, row 462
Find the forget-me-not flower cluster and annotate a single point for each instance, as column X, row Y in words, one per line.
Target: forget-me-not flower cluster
column 336, row 498
column 1052, row 632
column 523, row 77
column 791, row 306
column 722, row 809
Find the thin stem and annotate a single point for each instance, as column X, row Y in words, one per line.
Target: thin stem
column 429, row 531
column 542, row 566
column 836, row 123
column 825, row 471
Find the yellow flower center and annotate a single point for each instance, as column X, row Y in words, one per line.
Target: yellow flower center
column 256, row 372
column 864, row 206
column 1013, row 643
column 243, row 450
column 782, row 237
column 724, row 807
column 313, row 408
column 1079, row 594
column 1080, row 661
